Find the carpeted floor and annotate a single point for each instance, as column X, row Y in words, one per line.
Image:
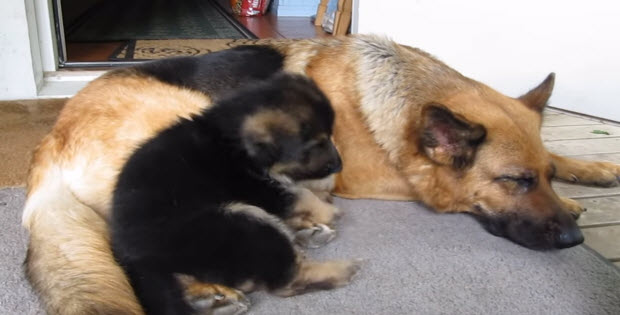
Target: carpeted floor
column 22, row 125
column 416, row 262
column 153, row 19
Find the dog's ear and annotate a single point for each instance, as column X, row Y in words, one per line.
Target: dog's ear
column 537, row 98
column 448, row 139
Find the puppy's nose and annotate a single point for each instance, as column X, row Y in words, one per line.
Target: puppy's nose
column 335, row 165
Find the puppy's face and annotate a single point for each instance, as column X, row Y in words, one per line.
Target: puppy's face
column 290, row 135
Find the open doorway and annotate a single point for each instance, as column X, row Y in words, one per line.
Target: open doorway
column 98, row 33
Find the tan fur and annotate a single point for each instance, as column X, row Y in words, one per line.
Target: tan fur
column 313, row 275
column 259, row 125
column 70, row 263
column 310, row 210
column 379, row 104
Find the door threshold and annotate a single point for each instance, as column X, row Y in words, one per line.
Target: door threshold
column 60, row 84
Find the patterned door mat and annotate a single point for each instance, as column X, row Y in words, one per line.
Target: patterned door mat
column 154, row 19
column 156, row 49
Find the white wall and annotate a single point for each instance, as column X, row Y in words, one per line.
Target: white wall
column 20, row 62
column 512, row 45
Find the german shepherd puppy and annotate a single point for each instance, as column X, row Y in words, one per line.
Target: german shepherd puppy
column 407, row 127
column 209, row 197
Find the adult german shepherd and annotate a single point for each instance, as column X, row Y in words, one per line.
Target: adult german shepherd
column 407, row 126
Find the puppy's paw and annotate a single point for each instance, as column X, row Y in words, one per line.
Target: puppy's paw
column 313, row 276
column 212, row 299
column 325, row 196
column 315, row 237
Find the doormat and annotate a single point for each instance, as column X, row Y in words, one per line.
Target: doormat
column 155, row 19
column 157, row 49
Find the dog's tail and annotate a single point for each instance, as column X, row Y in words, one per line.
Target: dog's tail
column 69, row 262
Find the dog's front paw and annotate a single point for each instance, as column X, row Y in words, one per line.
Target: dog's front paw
column 315, row 236
column 602, row 174
column 573, row 207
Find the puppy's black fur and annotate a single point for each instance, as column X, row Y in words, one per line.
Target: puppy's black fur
column 171, row 207
column 219, row 72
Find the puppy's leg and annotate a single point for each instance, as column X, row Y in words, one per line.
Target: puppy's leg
column 310, row 218
column 322, row 188
column 313, row 276
column 209, row 298
column 264, row 256
column 602, row 174
column 158, row 291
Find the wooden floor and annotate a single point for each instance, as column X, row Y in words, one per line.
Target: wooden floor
column 577, row 136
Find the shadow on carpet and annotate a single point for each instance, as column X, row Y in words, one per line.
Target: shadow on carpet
column 416, row 262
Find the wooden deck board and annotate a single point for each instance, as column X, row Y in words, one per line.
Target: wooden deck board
column 579, row 191
column 572, row 135
column 567, row 120
column 586, row 146
column 605, row 240
column 579, row 132
column 609, row 157
column 601, row 211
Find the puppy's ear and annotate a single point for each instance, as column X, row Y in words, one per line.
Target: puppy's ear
column 261, row 148
column 448, row 139
column 538, row 97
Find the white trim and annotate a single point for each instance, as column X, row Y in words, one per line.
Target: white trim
column 59, row 84
column 355, row 17
column 47, row 36
column 72, row 76
column 35, row 53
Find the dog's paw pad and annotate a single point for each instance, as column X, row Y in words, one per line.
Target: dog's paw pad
column 315, row 236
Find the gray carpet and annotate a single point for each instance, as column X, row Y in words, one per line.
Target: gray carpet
column 416, row 262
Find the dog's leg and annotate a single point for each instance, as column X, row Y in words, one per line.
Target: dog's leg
column 312, row 276
column 573, row 207
column 602, row 174
column 310, row 218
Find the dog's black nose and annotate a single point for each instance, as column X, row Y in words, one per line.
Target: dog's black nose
column 569, row 238
column 568, row 233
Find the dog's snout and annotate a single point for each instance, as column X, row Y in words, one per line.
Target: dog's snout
column 569, row 238
column 568, row 233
